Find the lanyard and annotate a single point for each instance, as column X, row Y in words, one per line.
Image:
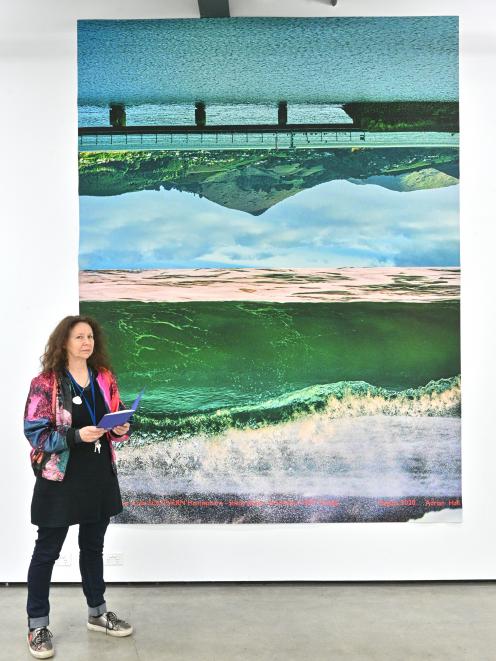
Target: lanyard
column 92, row 412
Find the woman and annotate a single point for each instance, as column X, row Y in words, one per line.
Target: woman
column 75, row 466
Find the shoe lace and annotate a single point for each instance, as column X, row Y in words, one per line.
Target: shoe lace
column 111, row 617
column 41, row 636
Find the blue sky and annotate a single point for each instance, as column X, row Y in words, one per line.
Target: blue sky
column 337, row 223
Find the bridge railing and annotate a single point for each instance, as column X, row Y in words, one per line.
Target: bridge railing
column 261, row 140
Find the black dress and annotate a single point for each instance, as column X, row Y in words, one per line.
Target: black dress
column 90, row 490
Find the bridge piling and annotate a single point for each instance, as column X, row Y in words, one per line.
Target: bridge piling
column 117, row 115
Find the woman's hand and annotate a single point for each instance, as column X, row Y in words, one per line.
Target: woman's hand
column 121, row 429
column 91, row 434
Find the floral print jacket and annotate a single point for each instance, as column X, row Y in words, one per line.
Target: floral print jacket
column 48, row 418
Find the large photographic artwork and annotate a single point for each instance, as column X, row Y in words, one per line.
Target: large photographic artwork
column 269, row 234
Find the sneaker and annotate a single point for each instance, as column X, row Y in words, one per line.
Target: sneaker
column 39, row 643
column 110, row 624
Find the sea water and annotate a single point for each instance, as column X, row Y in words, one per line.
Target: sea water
column 241, row 68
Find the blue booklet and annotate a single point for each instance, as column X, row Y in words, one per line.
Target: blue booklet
column 111, row 420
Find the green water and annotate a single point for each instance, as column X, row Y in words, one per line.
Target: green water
column 200, row 356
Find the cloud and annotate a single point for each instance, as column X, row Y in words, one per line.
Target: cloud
column 334, row 224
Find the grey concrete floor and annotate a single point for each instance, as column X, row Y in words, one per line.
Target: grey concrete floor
column 268, row 622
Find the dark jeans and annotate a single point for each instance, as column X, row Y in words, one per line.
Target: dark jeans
column 47, row 550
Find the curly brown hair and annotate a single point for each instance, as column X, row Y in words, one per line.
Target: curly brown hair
column 55, row 356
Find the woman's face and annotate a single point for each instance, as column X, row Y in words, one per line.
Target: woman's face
column 80, row 343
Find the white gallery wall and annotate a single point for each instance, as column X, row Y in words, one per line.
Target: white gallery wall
column 39, row 279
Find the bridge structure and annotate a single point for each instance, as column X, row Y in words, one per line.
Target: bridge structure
column 261, row 136
column 201, row 135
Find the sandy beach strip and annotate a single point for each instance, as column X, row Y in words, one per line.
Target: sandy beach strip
column 409, row 285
